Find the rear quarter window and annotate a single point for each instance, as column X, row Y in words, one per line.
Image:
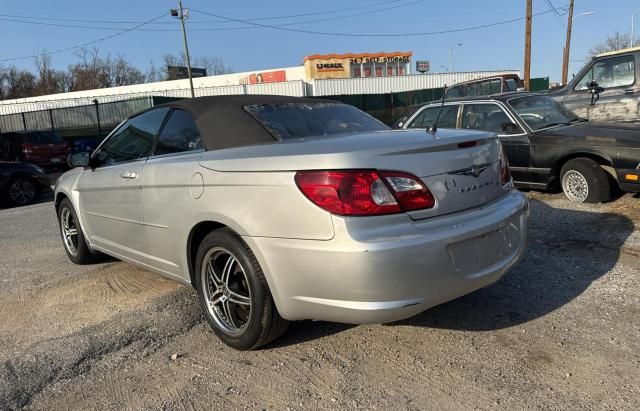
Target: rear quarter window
column 296, row 120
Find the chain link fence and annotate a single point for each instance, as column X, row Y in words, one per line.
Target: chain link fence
column 87, row 121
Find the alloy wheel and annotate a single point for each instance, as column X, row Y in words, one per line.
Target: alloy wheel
column 22, row 192
column 69, row 230
column 226, row 290
column 575, row 186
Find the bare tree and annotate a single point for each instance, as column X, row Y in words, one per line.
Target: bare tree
column 17, row 83
column 152, row 75
column 615, row 41
column 50, row 81
column 94, row 71
column 214, row 65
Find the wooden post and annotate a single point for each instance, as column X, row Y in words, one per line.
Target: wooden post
column 527, row 47
column 567, row 45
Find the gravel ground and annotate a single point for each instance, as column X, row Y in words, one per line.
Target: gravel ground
column 559, row 331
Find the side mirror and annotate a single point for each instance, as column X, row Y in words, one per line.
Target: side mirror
column 595, row 89
column 80, row 159
column 509, row 128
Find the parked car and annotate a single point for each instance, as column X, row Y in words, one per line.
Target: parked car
column 43, row 148
column 547, row 145
column 485, row 86
column 619, row 96
column 282, row 208
column 22, row 183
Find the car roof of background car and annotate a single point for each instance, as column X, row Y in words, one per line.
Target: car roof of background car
column 616, row 52
column 481, row 79
column 498, row 97
column 224, row 123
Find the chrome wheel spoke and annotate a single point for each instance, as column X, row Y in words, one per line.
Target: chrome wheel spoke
column 213, row 276
column 226, row 308
column 226, row 290
column 226, row 273
column 237, row 298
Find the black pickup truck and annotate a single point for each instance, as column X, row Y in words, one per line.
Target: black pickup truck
column 607, row 88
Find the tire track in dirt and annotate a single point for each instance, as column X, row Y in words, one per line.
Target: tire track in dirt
column 36, row 367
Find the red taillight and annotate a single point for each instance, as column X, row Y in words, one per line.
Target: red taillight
column 364, row 192
column 505, row 172
column 27, row 148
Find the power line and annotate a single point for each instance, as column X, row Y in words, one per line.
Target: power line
column 556, row 15
column 119, row 21
column 89, row 43
column 219, row 28
column 325, row 33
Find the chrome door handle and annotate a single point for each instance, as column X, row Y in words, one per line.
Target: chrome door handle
column 129, row 175
column 630, row 91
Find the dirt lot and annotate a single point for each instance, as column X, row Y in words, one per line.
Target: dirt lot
column 562, row 330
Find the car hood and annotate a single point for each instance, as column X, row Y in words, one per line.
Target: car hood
column 596, row 134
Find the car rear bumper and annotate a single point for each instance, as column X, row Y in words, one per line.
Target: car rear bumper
column 376, row 273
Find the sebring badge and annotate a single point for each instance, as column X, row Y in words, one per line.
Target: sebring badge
column 473, row 171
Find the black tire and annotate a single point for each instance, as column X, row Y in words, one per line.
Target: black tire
column 582, row 174
column 82, row 254
column 263, row 323
column 22, row 191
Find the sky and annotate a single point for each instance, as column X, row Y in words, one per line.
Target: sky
column 255, row 47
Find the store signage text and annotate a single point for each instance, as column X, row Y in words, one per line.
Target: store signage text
column 393, row 59
column 329, row 67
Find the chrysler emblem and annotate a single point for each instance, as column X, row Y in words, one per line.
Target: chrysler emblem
column 474, row 170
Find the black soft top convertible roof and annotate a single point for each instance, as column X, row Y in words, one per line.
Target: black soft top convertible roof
column 223, row 122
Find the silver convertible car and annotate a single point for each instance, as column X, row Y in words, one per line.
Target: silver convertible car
column 279, row 208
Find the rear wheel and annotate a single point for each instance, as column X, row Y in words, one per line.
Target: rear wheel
column 234, row 293
column 22, row 191
column 72, row 237
column 584, row 181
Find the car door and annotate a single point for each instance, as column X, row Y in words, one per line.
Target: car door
column 171, row 186
column 427, row 116
column 488, row 116
column 110, row 196
column 620, row 99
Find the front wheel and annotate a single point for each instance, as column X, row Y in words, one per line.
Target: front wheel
column 584, row 181
column 22, row 191
column 234, row 293
column 72, row 237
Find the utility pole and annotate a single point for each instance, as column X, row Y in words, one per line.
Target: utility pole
column 567, row 45
column 527, row 47
column 180, row 14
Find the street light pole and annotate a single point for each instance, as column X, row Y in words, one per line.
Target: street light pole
column 186, row 45
column 451, row 56
column 567, row 46
column 633, row 15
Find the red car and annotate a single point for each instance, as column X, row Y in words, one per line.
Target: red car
column 43, row 148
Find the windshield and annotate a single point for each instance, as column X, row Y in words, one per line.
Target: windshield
column 541, row 112
column 295, row 120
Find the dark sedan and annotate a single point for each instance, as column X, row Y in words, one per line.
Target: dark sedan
column 21, row 183
column 547, row 145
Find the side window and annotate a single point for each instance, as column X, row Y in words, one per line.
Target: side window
column 486, row 117
column 134, row 139
column 425, row 119
column 510, row 84
column 495, row 86
column 613, row 72
column 179, row 134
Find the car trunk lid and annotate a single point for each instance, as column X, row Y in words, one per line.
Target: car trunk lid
column 460, row 168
